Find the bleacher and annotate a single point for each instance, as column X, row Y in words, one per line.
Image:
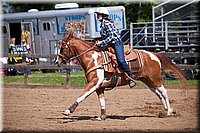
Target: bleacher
column 174, row 29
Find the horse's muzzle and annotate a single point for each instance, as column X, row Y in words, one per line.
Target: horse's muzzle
column 58, row 64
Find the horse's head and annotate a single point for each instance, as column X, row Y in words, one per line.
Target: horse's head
column 71, row 46
column 65, row 49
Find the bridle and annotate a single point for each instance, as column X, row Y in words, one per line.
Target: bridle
column 64, row 59
column 67, row 59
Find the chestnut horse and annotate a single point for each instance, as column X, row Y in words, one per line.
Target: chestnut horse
column 98, row 79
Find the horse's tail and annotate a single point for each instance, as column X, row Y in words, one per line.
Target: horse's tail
column 169, row 66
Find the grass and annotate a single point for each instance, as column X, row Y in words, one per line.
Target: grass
column 77, row 80
column 39, row 78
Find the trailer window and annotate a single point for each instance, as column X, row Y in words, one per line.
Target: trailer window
column 3, row 29
column 46, row 26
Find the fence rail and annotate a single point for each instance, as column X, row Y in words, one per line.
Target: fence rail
column 26, row 67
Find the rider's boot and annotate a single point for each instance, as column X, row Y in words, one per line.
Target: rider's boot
column 130, row 80
column 132, row 83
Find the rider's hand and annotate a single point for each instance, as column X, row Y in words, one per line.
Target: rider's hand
column 98, row 43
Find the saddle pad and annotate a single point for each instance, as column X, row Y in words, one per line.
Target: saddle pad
column 107, row 63
column 136, row 66
column 132, row 55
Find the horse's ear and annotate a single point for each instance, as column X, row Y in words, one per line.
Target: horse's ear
column 68, row 36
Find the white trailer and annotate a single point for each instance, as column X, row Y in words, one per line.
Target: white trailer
column 47, row 27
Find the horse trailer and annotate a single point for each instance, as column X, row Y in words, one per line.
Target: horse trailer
column 46, row 28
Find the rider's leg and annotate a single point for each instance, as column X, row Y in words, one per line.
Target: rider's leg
column 119, row 51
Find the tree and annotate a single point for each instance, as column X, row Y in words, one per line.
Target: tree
column 25, row 7
column 135, row 12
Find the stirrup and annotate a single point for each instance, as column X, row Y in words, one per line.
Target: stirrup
column 114, row 80
column 132, row 83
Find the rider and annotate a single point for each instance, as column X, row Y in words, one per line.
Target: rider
column 110, row 37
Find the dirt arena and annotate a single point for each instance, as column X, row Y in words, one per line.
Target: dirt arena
column 39, row 109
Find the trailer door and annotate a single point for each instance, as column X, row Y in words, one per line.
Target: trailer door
column 27, row 34
column 48, row 34
column 5, row 38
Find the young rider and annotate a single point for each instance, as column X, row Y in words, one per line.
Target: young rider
column 110, row 37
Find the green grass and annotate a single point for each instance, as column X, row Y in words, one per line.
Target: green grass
column 38, row 78
column 178, row 83
column 77, row 80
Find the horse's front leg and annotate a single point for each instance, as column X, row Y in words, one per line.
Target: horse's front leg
column 92, row 86
column 100, row 93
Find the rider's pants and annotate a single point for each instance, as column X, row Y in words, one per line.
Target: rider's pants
column 119, row 51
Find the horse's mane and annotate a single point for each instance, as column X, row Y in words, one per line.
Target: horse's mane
column 87, row 42
column 70, row 35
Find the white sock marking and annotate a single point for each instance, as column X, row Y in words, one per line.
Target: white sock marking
column 163, row 92
column 102, row 103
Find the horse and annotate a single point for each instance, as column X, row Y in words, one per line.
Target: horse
column 98, row 79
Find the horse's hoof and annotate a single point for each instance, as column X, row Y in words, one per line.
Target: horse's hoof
column 174, row 112
column 98, row 119
column 165, row 114
column 162, row 115
column 66, row 112
column 103, row 117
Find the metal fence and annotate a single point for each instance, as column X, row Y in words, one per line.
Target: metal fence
column 172, row 35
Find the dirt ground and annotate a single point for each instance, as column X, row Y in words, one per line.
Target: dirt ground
column 39, row 109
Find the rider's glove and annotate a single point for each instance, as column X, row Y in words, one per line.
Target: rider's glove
column 99, row 43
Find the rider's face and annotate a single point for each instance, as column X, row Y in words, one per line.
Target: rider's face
column 99, row 17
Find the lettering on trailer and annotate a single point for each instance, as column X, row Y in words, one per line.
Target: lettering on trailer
column 115, row 17
column 62, row 21
column 118, row 18
column 75, row 18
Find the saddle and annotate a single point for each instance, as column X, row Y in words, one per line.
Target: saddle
column 133, row 58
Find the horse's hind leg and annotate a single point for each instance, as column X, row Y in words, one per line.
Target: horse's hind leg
column 163, row 93
column 159, row 96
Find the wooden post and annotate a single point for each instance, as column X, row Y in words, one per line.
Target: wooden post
column 25, row 76
column 163, row 76
column 25, row 70
column 68, row 82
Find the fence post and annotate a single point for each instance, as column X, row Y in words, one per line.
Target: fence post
column 145, row 34
column 163, row 76
column 166, row 36
column 131, row 35
column 162, row 22
column 68, row 81
column 25, row 70
column 153, row 19
column 25, row 76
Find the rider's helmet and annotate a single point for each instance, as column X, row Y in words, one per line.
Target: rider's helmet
column 102, row 10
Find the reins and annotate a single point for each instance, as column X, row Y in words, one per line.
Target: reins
column 83, row 52
column 70, row 59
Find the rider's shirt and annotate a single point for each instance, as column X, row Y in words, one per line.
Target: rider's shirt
column 109, row 33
